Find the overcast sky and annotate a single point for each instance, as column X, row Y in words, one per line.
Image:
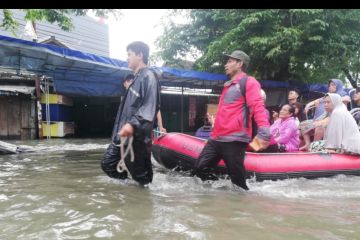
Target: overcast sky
column 134, row 25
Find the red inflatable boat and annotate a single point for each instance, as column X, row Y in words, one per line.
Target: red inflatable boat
column 180, row 151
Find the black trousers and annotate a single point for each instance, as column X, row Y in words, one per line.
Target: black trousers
column 140, row 170
column 233, row 154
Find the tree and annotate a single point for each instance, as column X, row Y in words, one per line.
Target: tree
column 60, row 16
column 309, row 45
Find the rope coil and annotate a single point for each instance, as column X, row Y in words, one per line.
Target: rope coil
column 121, row 166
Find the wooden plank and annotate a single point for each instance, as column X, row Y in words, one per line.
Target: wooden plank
column 33, row 121
column 25, row 119
column 25, row 113
column 14, row 118
column 3, row 118
column 38, row 106
column 25, row 134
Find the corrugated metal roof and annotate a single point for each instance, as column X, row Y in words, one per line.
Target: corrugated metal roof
column 73, row 72
column 17, row 89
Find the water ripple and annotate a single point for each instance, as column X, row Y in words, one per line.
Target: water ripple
column 60, row 192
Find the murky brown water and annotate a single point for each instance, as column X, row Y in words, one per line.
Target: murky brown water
column 60, row 192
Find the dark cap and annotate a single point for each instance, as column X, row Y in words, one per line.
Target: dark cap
column 240, row 55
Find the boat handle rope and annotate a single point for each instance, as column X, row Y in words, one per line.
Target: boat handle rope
column 164, row 133
column 161, row 133
column 121, row 166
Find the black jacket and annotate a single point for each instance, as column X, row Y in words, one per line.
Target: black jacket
column 139, row 106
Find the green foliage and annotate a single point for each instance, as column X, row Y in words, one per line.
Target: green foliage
column 9, row 23
column 309, row 45
column 60, row 16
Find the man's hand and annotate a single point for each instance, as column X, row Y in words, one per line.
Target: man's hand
column 126, row 131
column 312, row 104
column 263, row 143
column 163, row 130
column 307, row 107
column 258, row 144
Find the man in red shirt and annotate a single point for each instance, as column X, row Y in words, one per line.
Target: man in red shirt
column 232, row 128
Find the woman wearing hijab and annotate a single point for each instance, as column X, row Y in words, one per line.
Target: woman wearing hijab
column 342, row 134
column 317, row 125
column 335, row 86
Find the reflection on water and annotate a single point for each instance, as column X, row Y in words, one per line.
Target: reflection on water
column 60, row 192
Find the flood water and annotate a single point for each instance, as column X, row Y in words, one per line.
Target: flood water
column 60, row 192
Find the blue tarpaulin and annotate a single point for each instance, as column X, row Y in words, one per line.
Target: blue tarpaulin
column 189, row 78
column 315, row 87
column 73, row 72
column 84, row 74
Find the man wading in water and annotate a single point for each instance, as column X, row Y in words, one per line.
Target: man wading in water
column 240, row 101
column 135, row 118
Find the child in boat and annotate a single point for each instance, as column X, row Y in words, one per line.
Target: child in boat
column 342, row 134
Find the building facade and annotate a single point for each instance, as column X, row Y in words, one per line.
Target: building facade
column 88, row 35
column 20, row 108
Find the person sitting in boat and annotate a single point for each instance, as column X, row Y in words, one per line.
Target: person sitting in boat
column 293, row 97
column 263, row 96
column 316, row 126
column 254, row 125
column 356, row 111
column 356, row 97
column 284, row 132
column 342, row 134
column 211, row 119
column 299, row 115
column 205, row 131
